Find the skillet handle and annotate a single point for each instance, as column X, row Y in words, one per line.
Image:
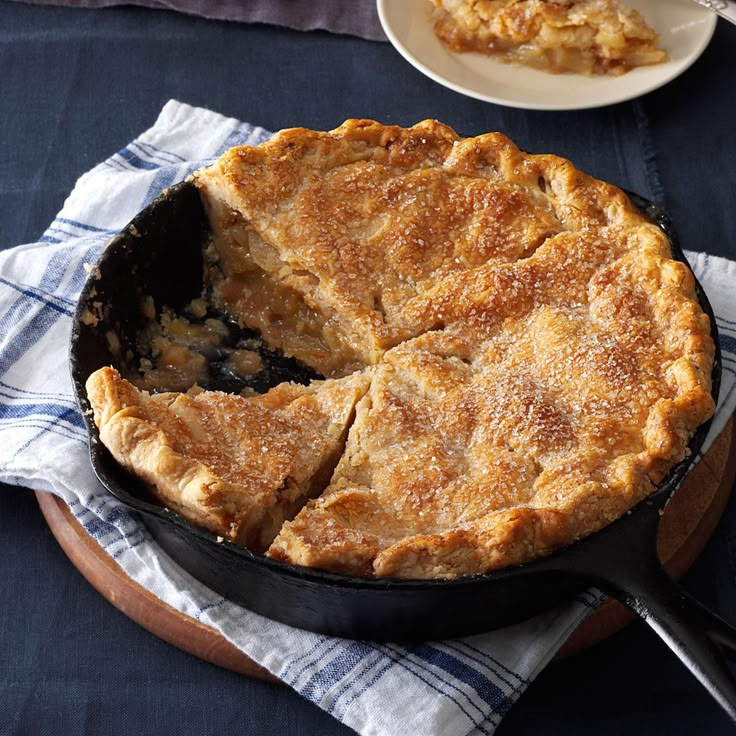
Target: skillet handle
column 695, row 634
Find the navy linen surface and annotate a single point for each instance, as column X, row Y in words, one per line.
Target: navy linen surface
column 76, row 86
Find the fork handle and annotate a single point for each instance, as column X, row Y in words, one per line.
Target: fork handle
column 725, row 8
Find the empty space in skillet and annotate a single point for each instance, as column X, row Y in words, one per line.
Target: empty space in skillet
column 160, row 255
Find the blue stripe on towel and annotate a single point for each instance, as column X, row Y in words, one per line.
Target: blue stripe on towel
column 136, row 161
column 350, row 656
column 500, row 670
column 31, row 294
column 166, row 157
column 489, row 692
column 442, row 680
column 420, row 673
column 38, row 394
column 61, row 412
column 83, row 225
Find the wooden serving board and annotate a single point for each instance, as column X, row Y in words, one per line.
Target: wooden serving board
column 687, row 524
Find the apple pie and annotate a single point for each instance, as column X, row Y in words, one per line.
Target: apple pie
column 583, row 36
column 518, row 358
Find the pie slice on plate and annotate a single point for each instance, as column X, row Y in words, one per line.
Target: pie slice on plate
column 584, row 36
column 236, row 466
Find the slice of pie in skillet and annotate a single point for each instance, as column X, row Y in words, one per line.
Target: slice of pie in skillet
column 583, row 36
column 323, row 241
column 236, row 466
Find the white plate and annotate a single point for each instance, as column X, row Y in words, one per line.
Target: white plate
column 684, row 29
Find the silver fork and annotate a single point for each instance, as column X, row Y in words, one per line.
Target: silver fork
column 725, row 8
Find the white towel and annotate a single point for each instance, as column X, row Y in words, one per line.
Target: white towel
column 452, row 688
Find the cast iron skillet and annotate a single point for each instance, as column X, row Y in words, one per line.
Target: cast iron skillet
column 159, row 254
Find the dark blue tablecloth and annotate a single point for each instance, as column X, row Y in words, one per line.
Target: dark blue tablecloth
column 76, row 85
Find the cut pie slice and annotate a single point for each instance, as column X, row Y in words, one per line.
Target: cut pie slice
column 584, row 36
column 323, row 240
column 236, row 466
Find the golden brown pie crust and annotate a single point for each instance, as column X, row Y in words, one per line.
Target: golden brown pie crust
column 539, row 359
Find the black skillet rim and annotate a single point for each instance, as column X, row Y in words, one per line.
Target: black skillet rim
column 243, row 555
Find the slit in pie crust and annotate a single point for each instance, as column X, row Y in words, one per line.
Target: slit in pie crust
column 583, row 36
column 534, row 361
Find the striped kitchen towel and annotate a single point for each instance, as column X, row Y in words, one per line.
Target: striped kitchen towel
column 452, row 688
